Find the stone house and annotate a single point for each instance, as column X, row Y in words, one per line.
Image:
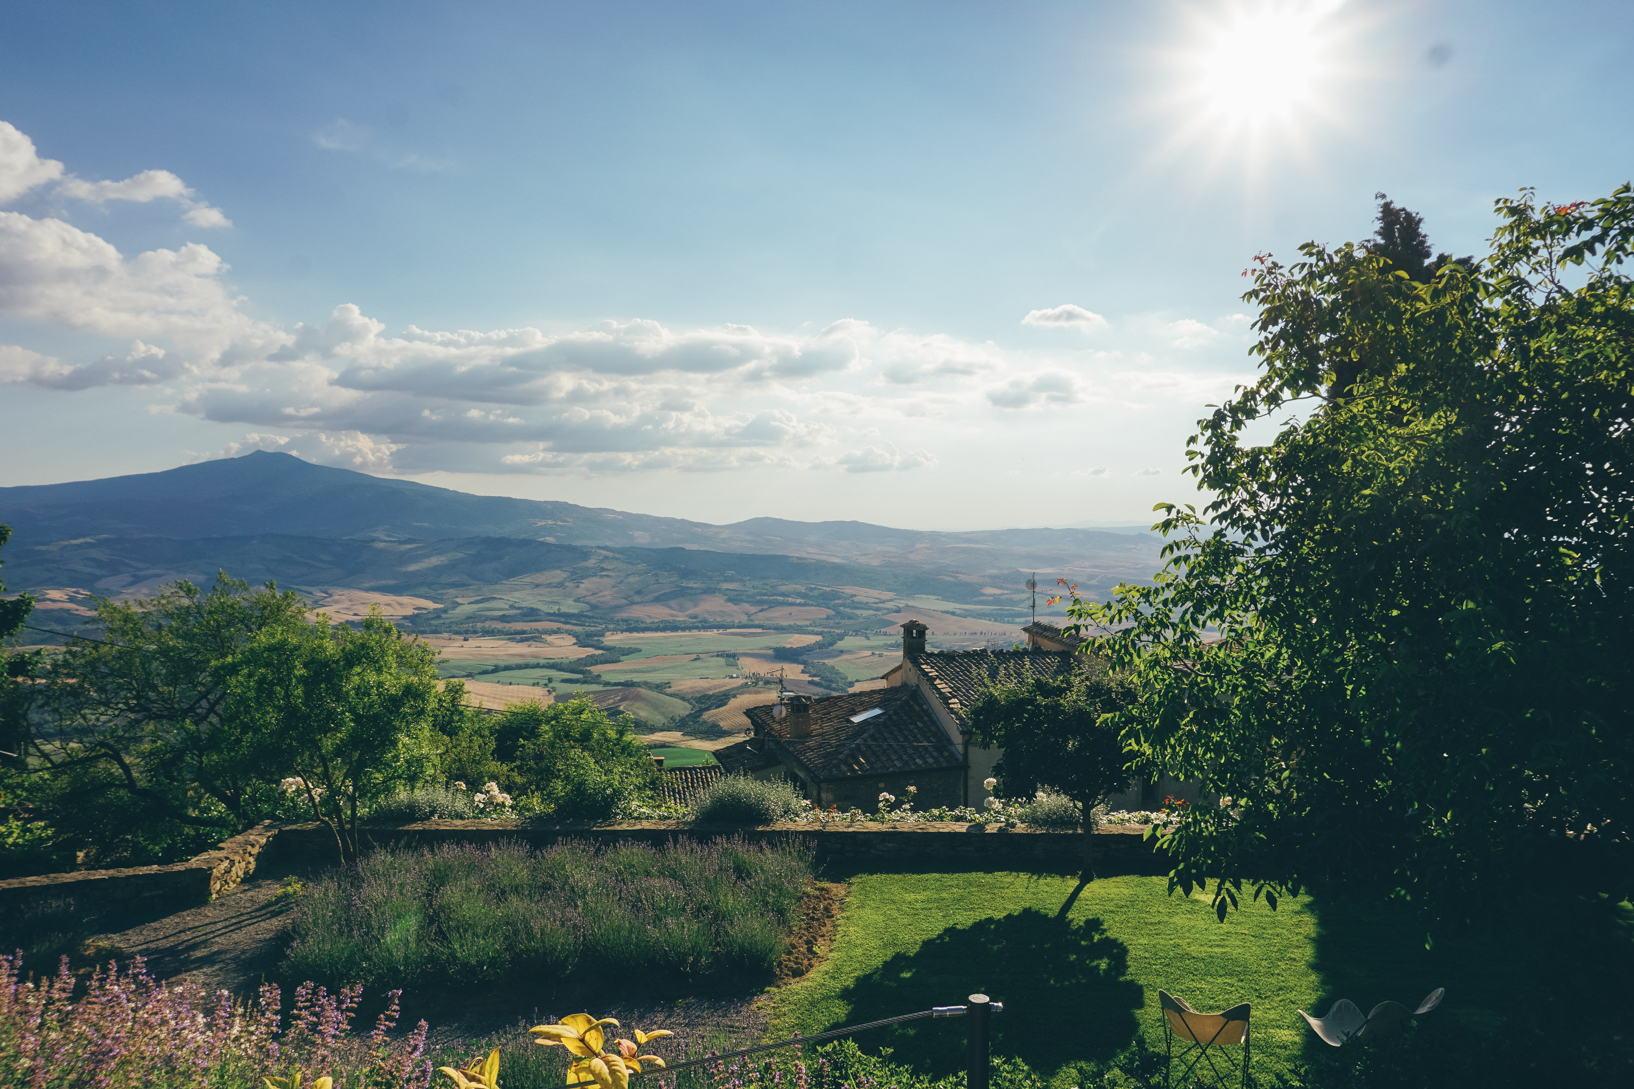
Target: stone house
column 846, row 750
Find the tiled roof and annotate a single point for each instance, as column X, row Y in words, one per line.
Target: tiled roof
column 960, row 676
column 682, row 785
column 1052, row 633
column 744, row 757
column 904, row 737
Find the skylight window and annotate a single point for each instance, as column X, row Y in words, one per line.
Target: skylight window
column 868, row 714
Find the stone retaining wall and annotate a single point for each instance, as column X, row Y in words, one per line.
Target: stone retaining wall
column 209, row 875
column 976, row 846
column 139, row 888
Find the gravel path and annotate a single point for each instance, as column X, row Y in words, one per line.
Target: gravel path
column 230, row 944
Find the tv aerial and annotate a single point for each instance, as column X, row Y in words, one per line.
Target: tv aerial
column 1032, row 588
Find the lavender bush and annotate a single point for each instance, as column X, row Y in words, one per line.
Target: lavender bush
column 466, row 915
column 118, row 1029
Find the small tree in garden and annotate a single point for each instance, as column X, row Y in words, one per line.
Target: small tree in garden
column 579, row 764
column 346, row 712
column 1056, row 733
column 146, row 710
column 13, row 668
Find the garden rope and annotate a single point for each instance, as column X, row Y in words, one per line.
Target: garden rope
column 815, row 1037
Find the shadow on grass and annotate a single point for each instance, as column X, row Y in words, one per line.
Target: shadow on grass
column 1064, row 985
column 1537, row 998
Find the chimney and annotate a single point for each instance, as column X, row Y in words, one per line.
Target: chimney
column 659, row 760
column 797, row 723
column 913, row 638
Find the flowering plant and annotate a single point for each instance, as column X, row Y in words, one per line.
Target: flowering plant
column 582, row 1036
column 491, row 797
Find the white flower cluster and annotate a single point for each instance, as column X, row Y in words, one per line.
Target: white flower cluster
column 492, row 797
column 294, row 783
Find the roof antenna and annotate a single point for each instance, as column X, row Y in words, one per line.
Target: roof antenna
column 1032, row 585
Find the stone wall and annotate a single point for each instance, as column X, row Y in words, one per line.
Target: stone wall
column 200, row 880
column 141, row 888
column 974, row 846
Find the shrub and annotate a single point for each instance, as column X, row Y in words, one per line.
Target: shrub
column 578, row 764
column 479, row 916
column 1051, row 811
column 427, row 803
column 738, row 799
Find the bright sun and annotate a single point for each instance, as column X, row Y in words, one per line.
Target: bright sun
column 1260, row 65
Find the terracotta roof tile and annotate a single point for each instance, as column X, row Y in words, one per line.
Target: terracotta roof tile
column 682, row 785
column 960, row 676
column 745, row 757
column 1052, row 633
column 903, row 737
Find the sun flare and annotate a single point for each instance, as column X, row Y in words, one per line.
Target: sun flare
column 1261, row 64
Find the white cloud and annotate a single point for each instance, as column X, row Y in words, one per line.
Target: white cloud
column 1148, row 472
column 1054, row 388
column 1190, row 333
column 21, row 168
column 346, row 449
column 1097, row 470
column 1066, row 314
column 53, row 272
column 618, row 396
column 879, row 458
column 144, row 187
column 343, row 135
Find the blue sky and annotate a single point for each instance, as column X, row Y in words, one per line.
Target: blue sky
column 726, row 260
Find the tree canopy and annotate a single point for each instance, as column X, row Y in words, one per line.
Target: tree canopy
column 1057, row 733
column 1392, row 640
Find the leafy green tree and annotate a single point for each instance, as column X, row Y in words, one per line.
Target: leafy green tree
column 15, row 669
column 1057, row 733
column 465, row 739
column 582, row 765
column 149, row 701
column 345, row 714
column 1395, row 639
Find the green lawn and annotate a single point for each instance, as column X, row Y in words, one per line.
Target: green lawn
column 655, row 643
column 690, row 670
column 1080, row 988
column 683, row 758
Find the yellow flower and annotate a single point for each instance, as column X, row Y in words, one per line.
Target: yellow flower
column 582, row 1036
column 294, row 1082
column 627, row 1050
column 607, row 1071
column 579, row 1032
column 482, row 1074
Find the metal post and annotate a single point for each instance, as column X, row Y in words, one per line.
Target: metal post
column 979, row 1011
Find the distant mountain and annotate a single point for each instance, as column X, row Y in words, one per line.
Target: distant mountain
column 265, row 493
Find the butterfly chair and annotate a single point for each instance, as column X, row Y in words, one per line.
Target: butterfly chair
column 1345, row 1022
column 1198, row 1034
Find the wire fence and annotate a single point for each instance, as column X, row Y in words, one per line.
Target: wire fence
column 978, row 1009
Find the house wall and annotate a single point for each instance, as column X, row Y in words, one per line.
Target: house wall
column 1145, row 796
column 936, row 788
column 979, row 763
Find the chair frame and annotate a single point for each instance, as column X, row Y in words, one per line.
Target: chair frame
column 1179, row 1007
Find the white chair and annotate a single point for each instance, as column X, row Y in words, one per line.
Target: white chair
column 1345, row 1022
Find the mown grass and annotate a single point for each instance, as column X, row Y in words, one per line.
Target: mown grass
column 699, row 669
column 653, row 644
column 466, row 916
column 1080, row 987
column 684, row 758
